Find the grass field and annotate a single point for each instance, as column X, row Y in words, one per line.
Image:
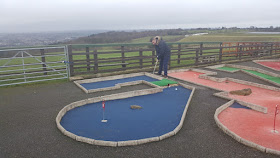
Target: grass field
column 211, row 37
column 233, row 37
column 166, row 38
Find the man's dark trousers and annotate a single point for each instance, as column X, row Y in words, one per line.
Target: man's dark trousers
column 163, row 63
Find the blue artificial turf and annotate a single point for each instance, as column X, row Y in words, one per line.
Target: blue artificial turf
column 111, row 83
column 237, row 105
column 160, row 114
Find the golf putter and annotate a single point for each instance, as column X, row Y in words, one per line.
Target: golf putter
column 155, row 67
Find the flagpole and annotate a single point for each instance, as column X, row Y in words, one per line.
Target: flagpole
column 103, row 106
column 276, row 112
column 103, row 113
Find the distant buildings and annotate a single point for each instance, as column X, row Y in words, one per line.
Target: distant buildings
column 196, row 34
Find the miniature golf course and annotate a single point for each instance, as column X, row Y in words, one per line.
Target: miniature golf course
column 246, row 123
column 160, row 114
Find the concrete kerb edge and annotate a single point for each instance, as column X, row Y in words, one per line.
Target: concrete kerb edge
column 235, row 136
column 147, row 140
column 255, row 84
column 220, row 109
column 272, row 151
column 153, row 76
column 215, row 67
column 261, row 78
column 80, row 86
column 253, row 69
column 121, row 96
column 107, row 78
column 98, row 99
column 229, row 132
column 255, row 107
column 177, row 129
column 248, row 68
column 204, row 76
column 117, row 86
column 178, row 70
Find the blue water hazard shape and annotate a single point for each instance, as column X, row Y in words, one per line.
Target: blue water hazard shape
column 161, row 113
column 111, row 83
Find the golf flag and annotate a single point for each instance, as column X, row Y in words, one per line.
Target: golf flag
column 103, row 104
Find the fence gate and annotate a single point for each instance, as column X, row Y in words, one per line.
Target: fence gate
column 18, row 66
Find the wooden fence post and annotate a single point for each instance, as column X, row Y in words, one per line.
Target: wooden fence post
column 43, row 60
column 88, row 61
column 200, row 50
column 179, row 53
column 153, row 57
column 123, row 57
column 95, row 58
column 71, row 64
column 271, row 49
column 221, row 52
column 141, row 57
column 240, row 52
column 196, row 56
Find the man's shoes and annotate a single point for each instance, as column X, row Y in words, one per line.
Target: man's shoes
column 165, row 76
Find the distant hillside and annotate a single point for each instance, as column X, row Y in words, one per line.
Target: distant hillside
column 122, row 36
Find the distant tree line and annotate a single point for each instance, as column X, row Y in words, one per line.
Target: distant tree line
column 268, row 29
column 124, row 36
column 127, row 36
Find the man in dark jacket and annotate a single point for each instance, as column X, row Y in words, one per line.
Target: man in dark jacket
column 163, row 54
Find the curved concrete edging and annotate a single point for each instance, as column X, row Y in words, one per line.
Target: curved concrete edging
column 121, row 96
column 235, row 136
column 117, row 86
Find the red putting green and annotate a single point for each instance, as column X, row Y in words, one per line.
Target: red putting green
column 272, row 64
column 248, row 124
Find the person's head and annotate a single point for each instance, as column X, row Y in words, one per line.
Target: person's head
column 156, row 40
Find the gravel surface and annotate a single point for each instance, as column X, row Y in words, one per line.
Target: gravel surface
column 28, row 128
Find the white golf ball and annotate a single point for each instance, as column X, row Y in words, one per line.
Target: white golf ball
column 176, row 89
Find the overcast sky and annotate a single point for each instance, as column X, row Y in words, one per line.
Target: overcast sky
column 66, row 15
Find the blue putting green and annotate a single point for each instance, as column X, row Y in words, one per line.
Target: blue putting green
column 160, row 114
column 237, row 105
column 111, row 83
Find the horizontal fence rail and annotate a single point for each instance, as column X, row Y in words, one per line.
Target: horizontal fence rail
column 102, row 58
column 28, row 65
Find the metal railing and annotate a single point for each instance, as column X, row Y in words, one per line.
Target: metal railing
column 27, row 65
